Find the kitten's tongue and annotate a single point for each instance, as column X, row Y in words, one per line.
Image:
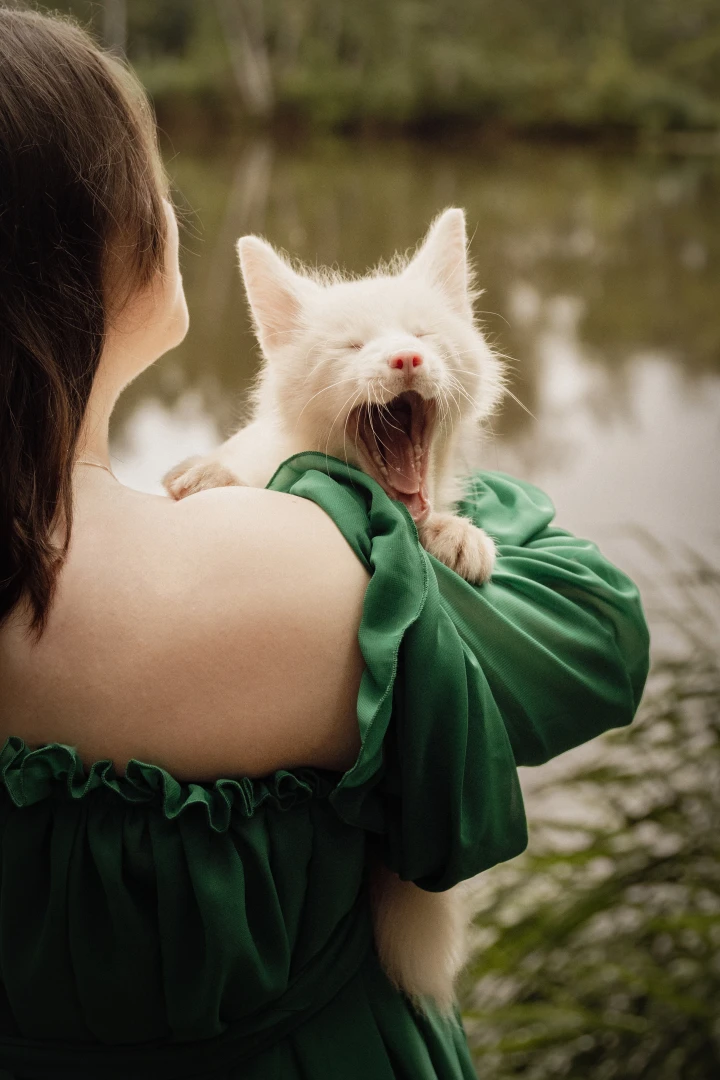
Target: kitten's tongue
column 403, row 473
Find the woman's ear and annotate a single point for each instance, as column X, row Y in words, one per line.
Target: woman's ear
column 274, row 291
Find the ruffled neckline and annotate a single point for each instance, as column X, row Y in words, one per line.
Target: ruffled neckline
column 57, row 770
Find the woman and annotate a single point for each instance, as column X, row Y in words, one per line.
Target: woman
column 212, row 709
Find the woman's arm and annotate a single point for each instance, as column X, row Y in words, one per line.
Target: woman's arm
column 462, row 683
column 560, row 631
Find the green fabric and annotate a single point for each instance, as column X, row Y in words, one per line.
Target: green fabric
column 163, row 929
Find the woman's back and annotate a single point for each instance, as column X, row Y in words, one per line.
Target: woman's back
column 214, row 635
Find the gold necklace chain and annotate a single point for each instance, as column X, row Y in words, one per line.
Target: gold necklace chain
column 96, row 464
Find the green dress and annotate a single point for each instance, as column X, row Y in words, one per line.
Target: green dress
column 156, row 929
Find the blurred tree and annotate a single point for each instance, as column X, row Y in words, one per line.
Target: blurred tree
column 243, row 23
column 163, row 27
column 647, row 64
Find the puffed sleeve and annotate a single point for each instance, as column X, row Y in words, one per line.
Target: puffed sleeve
column 464, row 683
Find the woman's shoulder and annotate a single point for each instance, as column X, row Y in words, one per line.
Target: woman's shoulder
column 212, row 634
column 264, row 558
column 293, row 530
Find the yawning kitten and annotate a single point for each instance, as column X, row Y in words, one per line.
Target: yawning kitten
column 390, row 373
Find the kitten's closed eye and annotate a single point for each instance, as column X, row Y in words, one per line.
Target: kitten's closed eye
column 357, row 345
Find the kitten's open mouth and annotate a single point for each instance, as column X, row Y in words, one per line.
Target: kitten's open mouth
column 394, row 442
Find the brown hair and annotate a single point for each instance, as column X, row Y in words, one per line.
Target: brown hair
column 79, row 173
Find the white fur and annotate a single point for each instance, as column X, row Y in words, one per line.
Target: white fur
column 326, row 341
column 420, row 937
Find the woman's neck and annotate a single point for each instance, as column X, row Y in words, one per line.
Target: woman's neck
column 93, row 442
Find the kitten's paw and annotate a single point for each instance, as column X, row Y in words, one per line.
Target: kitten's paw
column 459, row 544
column 197, row 474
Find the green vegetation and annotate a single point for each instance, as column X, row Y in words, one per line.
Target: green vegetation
column 599, row 950
column 545, row 65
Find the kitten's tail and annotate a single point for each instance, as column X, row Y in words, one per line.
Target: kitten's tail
column 420, row 937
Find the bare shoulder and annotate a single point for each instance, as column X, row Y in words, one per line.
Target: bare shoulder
column 287, row 522
column 245, row 542
column 268, row 604
column 216, row 636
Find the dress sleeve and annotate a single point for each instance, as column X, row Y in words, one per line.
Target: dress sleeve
column 464, row 683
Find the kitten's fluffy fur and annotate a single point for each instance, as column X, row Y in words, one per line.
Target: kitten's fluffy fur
column 336, row 352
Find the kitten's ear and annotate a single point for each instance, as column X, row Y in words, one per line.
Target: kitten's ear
column 442, row 258
column 274, row 291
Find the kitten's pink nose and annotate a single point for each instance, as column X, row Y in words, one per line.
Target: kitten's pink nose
column 405, row 362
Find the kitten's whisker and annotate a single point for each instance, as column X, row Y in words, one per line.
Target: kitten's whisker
column 349, row 414
column 519, row 402
column 340, row 410
column 495, row 352
column 457, row 406
column 384, row 410
column 482, row 312
column 350, row 378
column 380, row 406
column 442, row 404
column 446, row 410
column 456, row 402
column 462, row 390
column 456, row 383
column 330, row 429
column 378, row 441
column 505, row 389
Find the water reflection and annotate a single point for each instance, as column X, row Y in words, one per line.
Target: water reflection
column 602, row 278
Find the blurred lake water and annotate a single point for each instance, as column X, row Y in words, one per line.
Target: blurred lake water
column 602, row 279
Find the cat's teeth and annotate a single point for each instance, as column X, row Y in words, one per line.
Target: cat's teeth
column 418, row 452
column 380, row 463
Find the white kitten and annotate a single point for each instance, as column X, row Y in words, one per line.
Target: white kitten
column 387, row 372
column 390, row 373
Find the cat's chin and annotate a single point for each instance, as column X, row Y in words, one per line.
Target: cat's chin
column 393, row 447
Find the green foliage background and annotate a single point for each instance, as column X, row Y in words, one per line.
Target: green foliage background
column 598, row 951
column 543, row 65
